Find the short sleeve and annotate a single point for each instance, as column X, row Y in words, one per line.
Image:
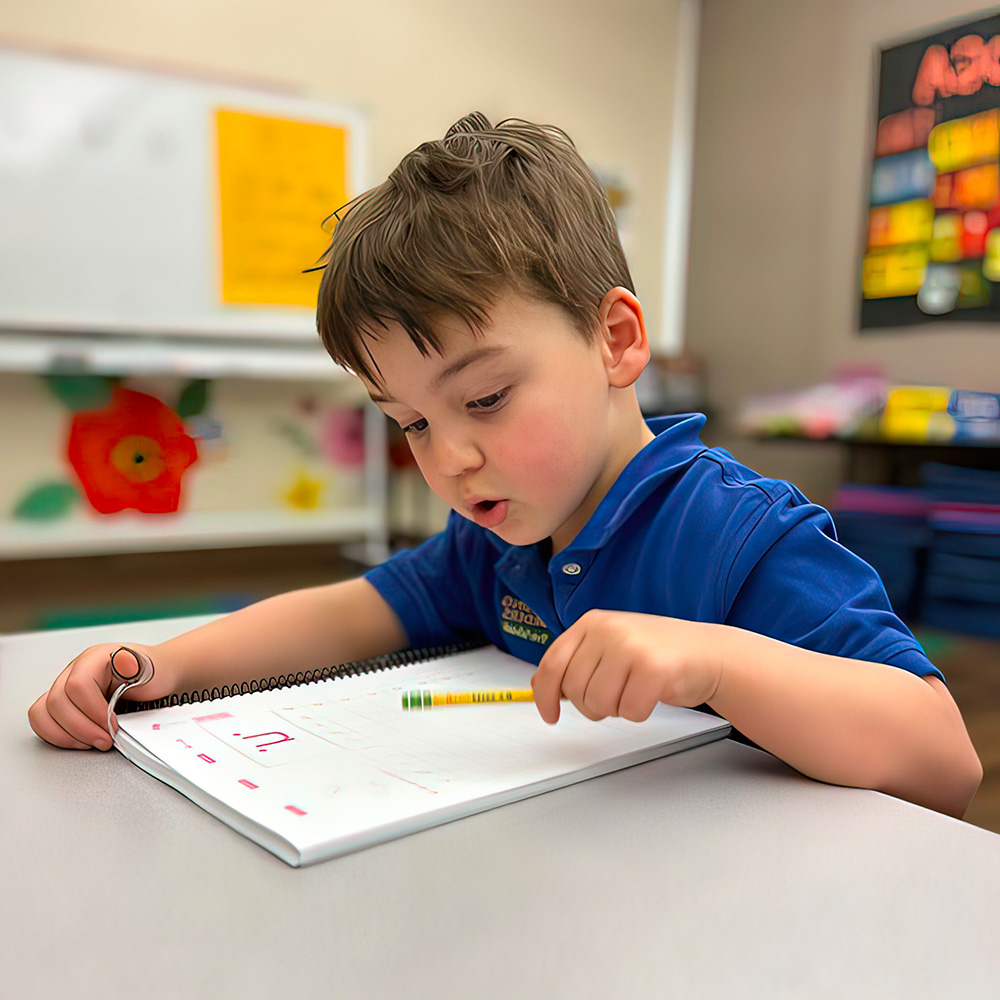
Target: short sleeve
column 795, row 582
column 430, row 588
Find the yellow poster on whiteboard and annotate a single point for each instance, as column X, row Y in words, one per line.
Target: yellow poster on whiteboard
column 278, row 181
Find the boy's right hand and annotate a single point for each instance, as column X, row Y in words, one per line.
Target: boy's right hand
column 73, row 713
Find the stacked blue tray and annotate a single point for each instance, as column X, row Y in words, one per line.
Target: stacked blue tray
column 953, row 484
column 962, row 579
column 936, row 548
column 887, row 527
column 962, row 582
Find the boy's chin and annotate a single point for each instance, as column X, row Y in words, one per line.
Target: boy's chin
column 513, row 533
column 520, row 534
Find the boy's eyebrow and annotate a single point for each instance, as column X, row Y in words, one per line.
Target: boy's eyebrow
column 471, row 357
column 476, row 354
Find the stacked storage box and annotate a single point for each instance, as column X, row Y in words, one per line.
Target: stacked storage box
column 887, row 527
column 962, row 580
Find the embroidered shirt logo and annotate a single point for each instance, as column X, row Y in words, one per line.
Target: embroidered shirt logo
column 517, row 619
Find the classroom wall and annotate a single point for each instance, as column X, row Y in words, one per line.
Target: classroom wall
column 601, row 70
column 782, row 161
column 261, row 445
column 784, row 122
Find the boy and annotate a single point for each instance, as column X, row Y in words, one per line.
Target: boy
column 482, row 296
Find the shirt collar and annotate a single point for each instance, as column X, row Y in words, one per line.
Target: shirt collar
column 676, row 444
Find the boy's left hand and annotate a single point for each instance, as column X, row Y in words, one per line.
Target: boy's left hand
column 620, row 663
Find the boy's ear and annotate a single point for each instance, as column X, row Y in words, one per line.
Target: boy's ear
column 624, row 342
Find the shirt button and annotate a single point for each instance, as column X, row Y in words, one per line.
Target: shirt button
column 572, row 569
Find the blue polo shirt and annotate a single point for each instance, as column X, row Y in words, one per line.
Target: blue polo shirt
column 685, row 532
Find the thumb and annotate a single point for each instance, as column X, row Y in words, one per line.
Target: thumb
column 131, row 668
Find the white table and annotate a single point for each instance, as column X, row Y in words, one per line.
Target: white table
column 718, row 872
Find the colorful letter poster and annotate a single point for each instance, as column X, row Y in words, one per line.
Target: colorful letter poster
column 278, row 181
column 932, row 248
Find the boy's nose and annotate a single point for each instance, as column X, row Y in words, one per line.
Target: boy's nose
column 455, row 455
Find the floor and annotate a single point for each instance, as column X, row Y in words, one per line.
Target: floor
column 41, row 593
column 53, row 593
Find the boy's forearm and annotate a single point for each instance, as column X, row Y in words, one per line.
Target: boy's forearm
column 848, row 722
column 299, row 630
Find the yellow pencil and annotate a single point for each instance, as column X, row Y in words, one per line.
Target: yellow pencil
column 436, row 699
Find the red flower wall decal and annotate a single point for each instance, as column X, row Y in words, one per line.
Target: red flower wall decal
column 131, row 453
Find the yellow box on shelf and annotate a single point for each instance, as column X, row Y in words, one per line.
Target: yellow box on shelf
column 917, row 413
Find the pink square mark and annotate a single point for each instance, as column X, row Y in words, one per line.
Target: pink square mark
column 204, row 756
column 248, row 783
column 296, row 810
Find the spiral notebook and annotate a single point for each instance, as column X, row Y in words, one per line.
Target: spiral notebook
column 313, row 766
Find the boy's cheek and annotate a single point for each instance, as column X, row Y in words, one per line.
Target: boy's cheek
column 537, row 445
column 436, row 483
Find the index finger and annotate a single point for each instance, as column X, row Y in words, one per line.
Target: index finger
column 547, row 680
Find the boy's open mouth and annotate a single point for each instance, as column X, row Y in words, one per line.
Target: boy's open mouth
column 490, row 513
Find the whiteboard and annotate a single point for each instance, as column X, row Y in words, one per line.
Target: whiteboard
column 108, row 200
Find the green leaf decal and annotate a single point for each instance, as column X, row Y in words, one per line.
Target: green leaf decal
column 47, row 502
column 193, row 399
column 81, row 392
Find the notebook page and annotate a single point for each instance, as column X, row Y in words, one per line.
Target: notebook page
column 330, row 762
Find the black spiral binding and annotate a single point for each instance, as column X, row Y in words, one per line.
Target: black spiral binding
column 386, row 661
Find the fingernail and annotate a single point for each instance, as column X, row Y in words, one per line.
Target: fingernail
column 102, row 744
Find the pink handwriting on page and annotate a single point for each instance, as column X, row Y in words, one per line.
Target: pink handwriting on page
column 262, row 747
column 255, row 738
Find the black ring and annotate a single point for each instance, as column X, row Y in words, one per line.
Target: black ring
column 117, row 673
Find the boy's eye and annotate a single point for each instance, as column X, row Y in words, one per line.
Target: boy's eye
column 490, row 402
column 416, row 427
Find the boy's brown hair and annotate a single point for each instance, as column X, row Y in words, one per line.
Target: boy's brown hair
column 460, row 221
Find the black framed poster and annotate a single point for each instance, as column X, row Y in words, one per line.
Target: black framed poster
column 932, row 240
